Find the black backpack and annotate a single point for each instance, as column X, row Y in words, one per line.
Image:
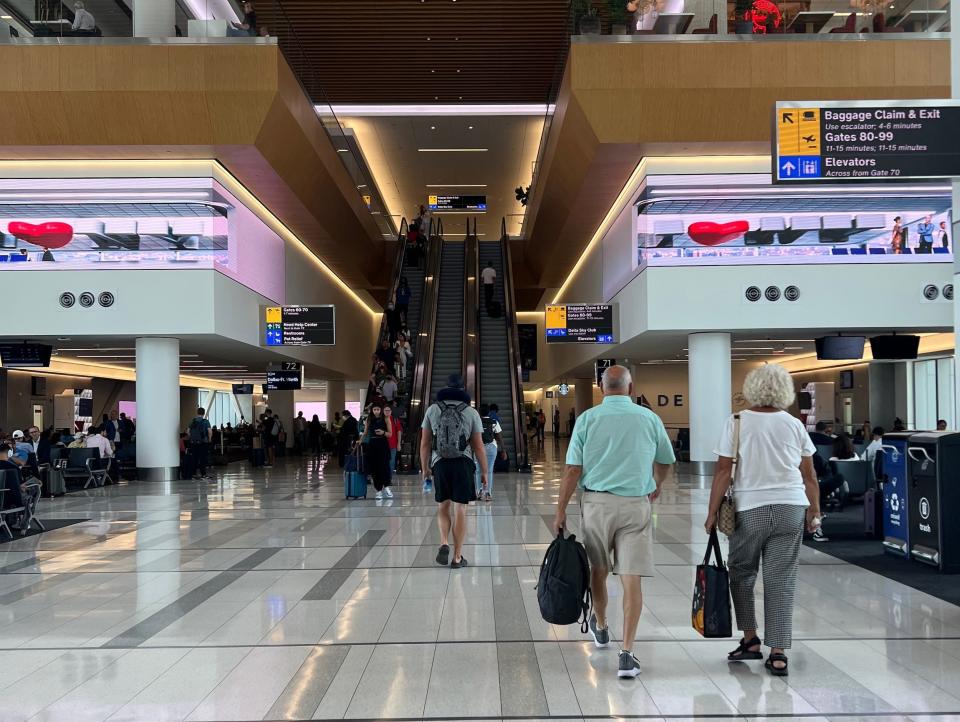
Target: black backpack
column 563, row 590
column 488, row 434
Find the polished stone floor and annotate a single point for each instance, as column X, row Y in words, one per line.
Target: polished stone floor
column 266, row 596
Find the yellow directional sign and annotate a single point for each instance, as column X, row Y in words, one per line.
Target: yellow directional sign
column 556, row 317
column 798, row 131
column 809, row 132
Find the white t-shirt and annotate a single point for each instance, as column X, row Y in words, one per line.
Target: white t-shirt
column 771, row 447
column 489, row 276
column 872, row 448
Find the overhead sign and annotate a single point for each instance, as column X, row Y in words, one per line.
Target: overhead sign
column 563, row 389
column 457, row 203
column 300, row 325
column 865, row 140
column 286, row 376
column 580, row 323
column 602, row 365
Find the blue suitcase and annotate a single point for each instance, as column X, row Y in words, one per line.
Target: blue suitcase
column 354, row 485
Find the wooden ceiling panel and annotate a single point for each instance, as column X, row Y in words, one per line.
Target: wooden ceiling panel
column 423, row 51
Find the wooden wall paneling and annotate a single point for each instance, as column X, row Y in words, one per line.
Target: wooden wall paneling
column 620, row 99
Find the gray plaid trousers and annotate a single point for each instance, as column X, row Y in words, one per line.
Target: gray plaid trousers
column 770, row 534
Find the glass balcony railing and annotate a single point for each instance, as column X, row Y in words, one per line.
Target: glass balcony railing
column 618, row 18
column 125, row 18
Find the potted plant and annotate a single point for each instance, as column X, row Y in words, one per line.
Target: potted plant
column 585, row 17
column 619, row 17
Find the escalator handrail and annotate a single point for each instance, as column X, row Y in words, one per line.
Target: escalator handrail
column 423, row 363
column 471, row 321
column 513, row 350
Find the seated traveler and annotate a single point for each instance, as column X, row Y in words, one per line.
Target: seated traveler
column 83, row 20
column 248, row 27
column 822, row 435
column 870, row 453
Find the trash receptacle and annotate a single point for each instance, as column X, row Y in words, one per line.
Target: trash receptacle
column 896, row 497
column 934, row 494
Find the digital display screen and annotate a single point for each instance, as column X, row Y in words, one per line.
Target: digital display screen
column 580, row 323
column 741, row 219
column 286, row 376
column 457, row 203
column 25, row 355
column 866, row 140
column 242, row 389
column 840, row 348
column 300, row 326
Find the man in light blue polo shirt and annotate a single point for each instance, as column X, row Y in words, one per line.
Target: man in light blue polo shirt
column 620, row 455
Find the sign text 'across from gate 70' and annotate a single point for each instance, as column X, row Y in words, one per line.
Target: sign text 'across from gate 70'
column 826, row 142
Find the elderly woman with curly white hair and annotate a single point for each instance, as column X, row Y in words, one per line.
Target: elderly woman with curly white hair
column 776, row 495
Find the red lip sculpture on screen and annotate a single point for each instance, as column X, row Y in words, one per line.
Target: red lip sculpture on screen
column 708, row 233
column 46, row 235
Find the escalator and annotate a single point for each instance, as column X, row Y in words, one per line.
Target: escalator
column 498, row 368
column 449, row 328
column 414, row 274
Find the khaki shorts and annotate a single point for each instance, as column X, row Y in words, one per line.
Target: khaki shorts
column 618, row 529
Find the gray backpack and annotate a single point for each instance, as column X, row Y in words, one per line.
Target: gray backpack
column 450, row 439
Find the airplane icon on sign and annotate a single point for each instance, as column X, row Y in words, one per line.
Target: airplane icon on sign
column 809, row 139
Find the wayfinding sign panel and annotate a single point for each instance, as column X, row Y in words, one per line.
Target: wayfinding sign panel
column 457, row 203
column 830, row 141
column 300, row 325
column 580, row 323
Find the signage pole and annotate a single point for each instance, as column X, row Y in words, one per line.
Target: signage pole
column 955, row 223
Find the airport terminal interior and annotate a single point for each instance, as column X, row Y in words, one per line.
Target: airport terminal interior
column 479, row 360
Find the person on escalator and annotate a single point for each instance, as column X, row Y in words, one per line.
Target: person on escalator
column 394, row 321
column 385, row 353
column 403, row 298
column 489, row 277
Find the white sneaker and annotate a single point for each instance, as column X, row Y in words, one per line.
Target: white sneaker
column 819, row 536
column 378, row 496
column 387, row 492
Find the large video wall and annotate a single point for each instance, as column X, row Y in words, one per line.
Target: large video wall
column 137, row 223
column 743, row 219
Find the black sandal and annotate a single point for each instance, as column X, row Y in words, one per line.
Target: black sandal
column 777, row 671
column 742, row 652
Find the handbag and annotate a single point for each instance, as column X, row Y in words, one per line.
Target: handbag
column 727, row 513
column 711, row 595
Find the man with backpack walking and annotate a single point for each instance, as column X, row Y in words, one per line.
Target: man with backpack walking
column 200, row 435
column 451, row 448
column 620, row 455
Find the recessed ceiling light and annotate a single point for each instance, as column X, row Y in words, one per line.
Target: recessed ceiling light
column 470, row 110
column 433, row 127
column 428, row 38
column 458, row 70
column 433, row 71
column 451, row 150
column 469, row 127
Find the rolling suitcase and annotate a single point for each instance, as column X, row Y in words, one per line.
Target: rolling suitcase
column 56, row 486
column 354, row 477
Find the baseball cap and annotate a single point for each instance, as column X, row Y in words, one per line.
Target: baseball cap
column 455, row 381
column 18, row 434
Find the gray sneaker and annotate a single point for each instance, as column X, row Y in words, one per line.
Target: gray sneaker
column 629, row 666
column 601, row 637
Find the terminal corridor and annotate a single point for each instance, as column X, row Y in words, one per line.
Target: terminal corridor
column 266, row 596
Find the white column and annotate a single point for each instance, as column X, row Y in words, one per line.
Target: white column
column 281, row 403
column 583, row 395
column 336, row 399
column 154, row 18
column 158, row 408
column 709, row 395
